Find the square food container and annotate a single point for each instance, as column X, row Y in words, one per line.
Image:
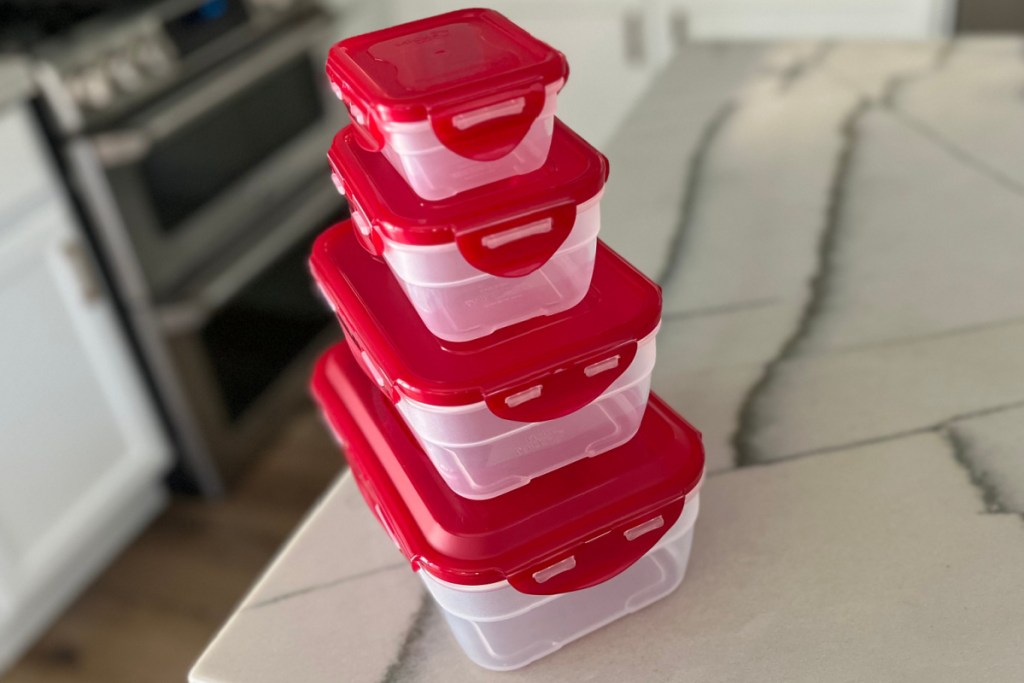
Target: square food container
column 491, row 257
column 494, row 413
column 454, row 101
column 522, row 575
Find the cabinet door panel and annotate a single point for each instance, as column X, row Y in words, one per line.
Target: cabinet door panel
column 78, row 435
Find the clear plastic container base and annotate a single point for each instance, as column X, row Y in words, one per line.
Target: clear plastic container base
column 458, row 302
column 500, row 628
column 480, row 455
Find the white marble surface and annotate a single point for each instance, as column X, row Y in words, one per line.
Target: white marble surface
column 839, row 230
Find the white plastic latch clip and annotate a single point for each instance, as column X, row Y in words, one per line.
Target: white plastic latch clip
column 555, row 569
column 641, row 529
column 524, row 396
column 499, row 239
column 469, row 119
column 601, row 365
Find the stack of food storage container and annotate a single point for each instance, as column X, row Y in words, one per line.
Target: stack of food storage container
column 494, row 399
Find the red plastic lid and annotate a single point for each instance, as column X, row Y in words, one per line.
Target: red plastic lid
column 574, row 173
column 563, row 360
column 592, row 519
column 445, row 66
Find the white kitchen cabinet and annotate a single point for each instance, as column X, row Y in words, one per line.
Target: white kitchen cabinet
column 81, row 451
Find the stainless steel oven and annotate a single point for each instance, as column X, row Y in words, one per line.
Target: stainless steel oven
column 192, row 171
column 194, row 136
column 240, row 339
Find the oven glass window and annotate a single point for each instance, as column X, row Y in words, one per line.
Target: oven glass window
column 259, row 333
column 191, row 167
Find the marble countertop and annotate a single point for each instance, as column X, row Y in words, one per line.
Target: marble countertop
column 839, row 230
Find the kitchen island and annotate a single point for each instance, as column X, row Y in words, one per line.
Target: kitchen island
column 839, row 232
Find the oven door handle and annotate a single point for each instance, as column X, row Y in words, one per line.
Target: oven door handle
column 131, row 144
column 194, row 309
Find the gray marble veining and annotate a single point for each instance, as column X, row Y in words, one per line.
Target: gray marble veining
column 651, row 168
column 992, row 448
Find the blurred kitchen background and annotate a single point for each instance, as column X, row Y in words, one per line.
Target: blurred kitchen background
column 162, row 175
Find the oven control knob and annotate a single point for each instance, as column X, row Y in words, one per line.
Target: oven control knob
column 152, row 57
column 94, row 89
column 77, row 86
column 125, row 73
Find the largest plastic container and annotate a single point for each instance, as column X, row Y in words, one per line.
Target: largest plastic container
column 495, row 412
column 454, row 101
column 522, row 575
column 490, row 257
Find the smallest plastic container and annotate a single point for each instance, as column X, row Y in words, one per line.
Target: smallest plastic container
column 492, row 256
column 522, row 575
column 454, row 101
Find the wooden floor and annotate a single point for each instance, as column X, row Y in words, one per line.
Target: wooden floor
column 148, row 617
